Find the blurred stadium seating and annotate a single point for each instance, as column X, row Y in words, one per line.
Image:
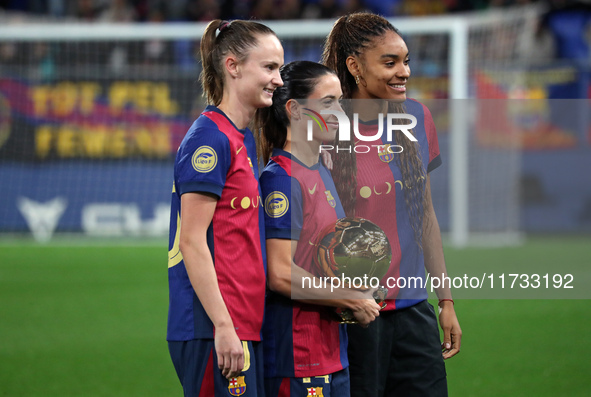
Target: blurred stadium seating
column 113, row 110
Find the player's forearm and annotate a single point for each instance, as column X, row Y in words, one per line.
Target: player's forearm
column 285, row 277
column 361, row 304
column 203, row 277
column 301, row 285
column 432, row 244
column 433, row 253
column 307, row 288
column 280, row 282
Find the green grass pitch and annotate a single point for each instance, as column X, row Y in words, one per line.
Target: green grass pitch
column 91, row 321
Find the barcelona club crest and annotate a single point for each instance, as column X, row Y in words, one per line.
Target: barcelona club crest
column 237, row 387
column 315, row 391
column 331, row 201
column 250, row 163
column 385, row 154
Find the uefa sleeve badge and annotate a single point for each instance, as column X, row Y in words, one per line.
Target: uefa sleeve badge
column 276, row 204
column 204, row 159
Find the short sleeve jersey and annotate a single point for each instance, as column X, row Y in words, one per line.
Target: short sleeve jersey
column 217, row 158
column 380, row 199
column 301, row 340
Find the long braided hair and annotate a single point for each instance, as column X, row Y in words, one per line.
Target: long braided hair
column 351, row 35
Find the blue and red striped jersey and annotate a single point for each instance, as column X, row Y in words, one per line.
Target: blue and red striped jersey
column 301, row 340
column 216, row 157
column 380, row 199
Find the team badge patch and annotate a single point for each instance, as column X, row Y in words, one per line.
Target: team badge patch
column 250, row 164
column 315, row 391
column 276, row 204
column 385, row 154
column 331, row 201
column 204, row 159
column 237, row 387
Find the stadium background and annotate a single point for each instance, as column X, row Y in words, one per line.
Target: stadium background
column 88, row 131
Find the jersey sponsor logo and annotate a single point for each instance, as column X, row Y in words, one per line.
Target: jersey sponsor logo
column 204, row 159
column 237, row 386
column 331, row 201
column 315, row 391
column 245, row 202
column 276, row 204
column 313, row 190
column 385, row 154
column 239, row 149
column 366, row 191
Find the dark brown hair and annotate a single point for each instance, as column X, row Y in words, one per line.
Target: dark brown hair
column 351, row 35
column 219, row 39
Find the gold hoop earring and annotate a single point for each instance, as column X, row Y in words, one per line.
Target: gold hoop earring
column 357, row 79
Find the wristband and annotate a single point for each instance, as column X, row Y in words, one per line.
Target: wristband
column 443, row 300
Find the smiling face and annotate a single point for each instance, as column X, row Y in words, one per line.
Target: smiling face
column 259, row 72
column 383, row 69
column 325, row 96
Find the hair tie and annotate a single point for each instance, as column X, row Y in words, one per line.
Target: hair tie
column 223, row 25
